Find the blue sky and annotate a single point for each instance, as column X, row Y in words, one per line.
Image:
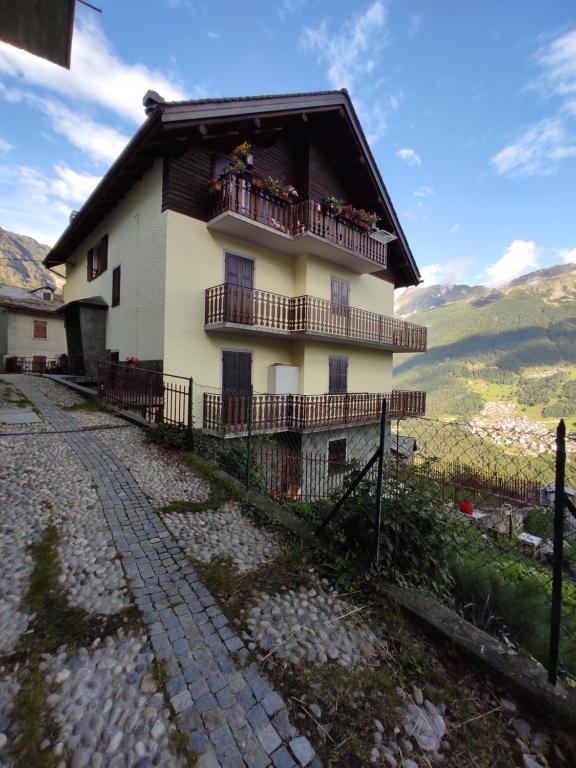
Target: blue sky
column 470, row 109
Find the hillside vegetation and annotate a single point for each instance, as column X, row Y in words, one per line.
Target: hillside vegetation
column 515, row 344
column 20, row 262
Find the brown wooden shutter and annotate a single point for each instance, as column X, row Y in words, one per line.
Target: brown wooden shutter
column 116, row 286
column 40, row 329
column 337, row 375
column 103, row 254
column 90, row 264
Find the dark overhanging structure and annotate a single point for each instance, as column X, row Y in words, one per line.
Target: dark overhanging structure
column 41, row 27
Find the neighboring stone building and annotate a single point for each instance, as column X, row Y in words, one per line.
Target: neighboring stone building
column 249, row 243
column 31, row 330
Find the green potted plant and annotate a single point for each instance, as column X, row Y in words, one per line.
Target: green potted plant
column 366, row 219
column 241, row 158
column 333, row 206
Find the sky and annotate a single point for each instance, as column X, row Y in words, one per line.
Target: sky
column 469, row 108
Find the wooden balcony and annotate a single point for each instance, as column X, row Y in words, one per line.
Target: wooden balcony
column 253, row 311
column 229, row 414
column 251, row 213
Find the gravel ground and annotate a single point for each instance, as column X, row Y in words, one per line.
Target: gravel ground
column 108, row 706
column 223, row 533
column 306, row 625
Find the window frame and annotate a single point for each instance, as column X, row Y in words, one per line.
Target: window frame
column 40, row 324
column 337, row 466
column 97, row 259
column 334, row 358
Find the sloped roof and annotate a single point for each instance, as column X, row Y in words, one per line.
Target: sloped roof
column 23, row 300
column 155, row 134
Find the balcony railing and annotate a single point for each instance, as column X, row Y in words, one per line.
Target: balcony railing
column 228, row 303
column 230, row 413
column 239, row 196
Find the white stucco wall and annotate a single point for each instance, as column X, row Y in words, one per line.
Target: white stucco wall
column 136, row 230
column 21, row 341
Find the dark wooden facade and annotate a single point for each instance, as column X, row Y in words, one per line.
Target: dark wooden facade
column 317, row 157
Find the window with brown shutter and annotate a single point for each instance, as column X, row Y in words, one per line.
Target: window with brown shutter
column 338, row 375
column 40, row 329
column 116, row 286
column 336, row 457
column 97, row 260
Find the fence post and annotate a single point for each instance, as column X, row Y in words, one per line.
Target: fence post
column 379, row 479
column 190, row 392
column 556, row 608
column 249, row 441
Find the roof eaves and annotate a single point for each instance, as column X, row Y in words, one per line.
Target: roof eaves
column 55, row 256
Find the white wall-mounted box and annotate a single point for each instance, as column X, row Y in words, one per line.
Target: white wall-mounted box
column 283, row 379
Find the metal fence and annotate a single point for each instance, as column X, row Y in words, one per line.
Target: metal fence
column 484, row 519
column 37, row 364
column 156, row 397
column 485, row 523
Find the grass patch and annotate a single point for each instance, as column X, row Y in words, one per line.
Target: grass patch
column 55, row 622
column 236, row 591
column 180, row 746
column 179, row 743
column 159, row 672
column 217, row 497
column 217, row 479
column 34, row 723
column 90, row 406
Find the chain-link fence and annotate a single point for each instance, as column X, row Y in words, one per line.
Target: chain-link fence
column 476, row 514
column 481, row 521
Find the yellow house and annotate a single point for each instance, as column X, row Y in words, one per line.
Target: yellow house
column 248, row 243
column 31, row 330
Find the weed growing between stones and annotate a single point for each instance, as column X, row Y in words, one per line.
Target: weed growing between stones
column 179, row 742
column 217, row 497
column 93, row 405
column 34, row 723
column 54, row 621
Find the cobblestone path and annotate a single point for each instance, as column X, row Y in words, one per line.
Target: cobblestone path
column 231, row 713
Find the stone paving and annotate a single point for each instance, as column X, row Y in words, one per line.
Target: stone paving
column 230, row 711
column 223, row 532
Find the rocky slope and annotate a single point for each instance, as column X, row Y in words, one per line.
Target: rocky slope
column 21, row 262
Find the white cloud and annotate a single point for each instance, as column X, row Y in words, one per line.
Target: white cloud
column 38, row 204
column 455, row 228
column 431, row 274
column 424, row 192
column 410, row 156
column 543, row 146
column 212, row 35
column 519, row 257
column 538, row 151
column 5, row 146
column 558, row 62
column 72, row 186
column 100, row 142
column 351, row 55
column 288, row 7
column 568, row 255
column 97, row 74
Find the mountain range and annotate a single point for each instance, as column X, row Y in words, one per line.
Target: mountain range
column 21, row 262
column 514, row 344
